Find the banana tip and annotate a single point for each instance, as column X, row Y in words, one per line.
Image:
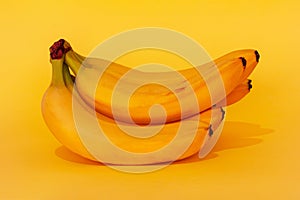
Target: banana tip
column 223, row 114
column 210, row 131
column 257, row 55
column 249, row 84
column 244, row 61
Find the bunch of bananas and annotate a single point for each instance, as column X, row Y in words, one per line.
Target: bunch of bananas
column 67, row 89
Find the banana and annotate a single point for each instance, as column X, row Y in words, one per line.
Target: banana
column 234, row 68
column 249, row 57
column 239, row 92
column 58, row 113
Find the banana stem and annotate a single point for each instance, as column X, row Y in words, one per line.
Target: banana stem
column 57, row 72
column 72, row 61
column 69, row 80
column 59, row 48
column 58, row 51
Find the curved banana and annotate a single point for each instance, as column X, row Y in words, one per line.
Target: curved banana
column 58, row 114
column 239, row 92
column 249, row 57
column 234, row 68
column 56, row 109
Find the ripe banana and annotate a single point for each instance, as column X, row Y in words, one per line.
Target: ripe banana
column 234, row 68
column 58, row 114
column 239, row 92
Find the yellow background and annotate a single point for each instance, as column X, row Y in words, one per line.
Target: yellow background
column 257, row 156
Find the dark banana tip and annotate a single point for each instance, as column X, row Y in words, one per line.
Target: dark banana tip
column 257, row 55
column 244, row 61
column 59, row 48
column 249, row 85
column 210, row 131
column 223, row 114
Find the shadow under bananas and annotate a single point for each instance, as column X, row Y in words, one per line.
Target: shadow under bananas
column 235, row 135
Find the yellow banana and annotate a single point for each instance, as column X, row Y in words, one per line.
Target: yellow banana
column 58, row 114
column 239, row 92
column 233, row 68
